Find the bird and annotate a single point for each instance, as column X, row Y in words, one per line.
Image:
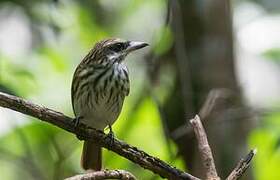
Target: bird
column 99, row 86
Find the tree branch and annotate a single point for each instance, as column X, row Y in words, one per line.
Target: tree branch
column 212, row 99
column 204, row 149
column 123, row 149
column 242, row 166
column 104, row 174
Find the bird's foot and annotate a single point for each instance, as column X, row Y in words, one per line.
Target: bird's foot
column 76, row 122
column 81, row 138
column 110, row 136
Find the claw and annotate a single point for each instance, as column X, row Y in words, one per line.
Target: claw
column 76, row 121
column 111, row 133
column 110, row 136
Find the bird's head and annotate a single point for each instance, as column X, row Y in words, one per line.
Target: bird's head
column 111, row 51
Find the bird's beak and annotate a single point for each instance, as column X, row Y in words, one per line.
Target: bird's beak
column 134, row 45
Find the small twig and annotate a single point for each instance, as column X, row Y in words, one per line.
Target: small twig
column 123, row 149
column 204, row 149
column 242, row 166
column 104, row 174
column 212, row 100
column 208, row 106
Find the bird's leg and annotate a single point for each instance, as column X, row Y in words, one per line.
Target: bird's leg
column 110, row 136
column 76, row 122
column 111, row 133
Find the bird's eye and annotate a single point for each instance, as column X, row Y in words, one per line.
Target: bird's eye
column 117, row 47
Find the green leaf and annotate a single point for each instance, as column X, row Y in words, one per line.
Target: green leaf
column 273, row 54
column 164, row 41
column 266, row 140
column 56, row 57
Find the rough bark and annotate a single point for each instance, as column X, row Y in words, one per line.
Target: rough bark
column 123, row 149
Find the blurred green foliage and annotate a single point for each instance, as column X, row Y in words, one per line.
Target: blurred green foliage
column 267, row 141
column 273, row 54
column 61, row 34
column 165, row 41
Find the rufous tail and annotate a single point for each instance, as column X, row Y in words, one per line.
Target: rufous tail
column 91, row 156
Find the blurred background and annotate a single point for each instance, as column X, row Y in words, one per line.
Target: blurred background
column 223, row 56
